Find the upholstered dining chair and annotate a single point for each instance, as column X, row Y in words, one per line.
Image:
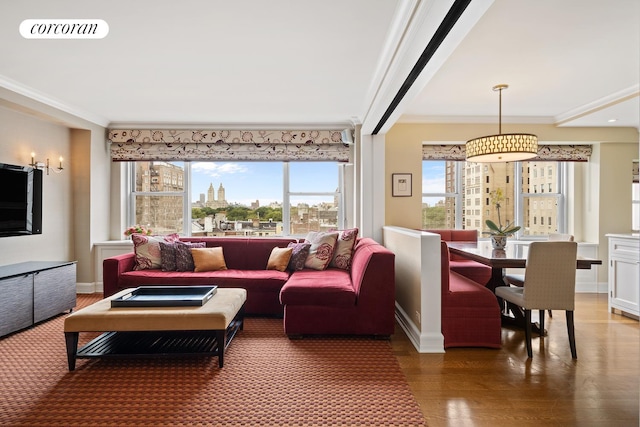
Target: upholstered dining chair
column 518, row 279
column 560, row 237
column 549, row 284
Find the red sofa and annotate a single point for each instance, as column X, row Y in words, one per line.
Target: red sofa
column 332, row 301
column 246, row 260
column 474, row 270
column 470, row 311
column 359, row 302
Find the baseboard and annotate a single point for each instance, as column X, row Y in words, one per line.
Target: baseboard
column 88, row 288
column 422, row 341
column 592, row 288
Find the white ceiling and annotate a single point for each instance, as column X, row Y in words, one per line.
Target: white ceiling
column 330, row 62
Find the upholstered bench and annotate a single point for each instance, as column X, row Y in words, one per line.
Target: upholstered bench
column 218, row 319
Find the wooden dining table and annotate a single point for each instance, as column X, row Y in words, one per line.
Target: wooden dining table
column 513, row 256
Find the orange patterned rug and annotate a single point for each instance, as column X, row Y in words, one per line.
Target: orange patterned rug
column 267, row 380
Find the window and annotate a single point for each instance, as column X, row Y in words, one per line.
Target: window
column 442, row 192
column 237, row 198
column 523, row 203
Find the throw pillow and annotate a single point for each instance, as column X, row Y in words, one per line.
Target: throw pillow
column 147, row 250
column 168, row 256
column 279, row 259
column 208, row 259
column 344, row 249
column 184, row 259
column 321, row 251
column 299, row 254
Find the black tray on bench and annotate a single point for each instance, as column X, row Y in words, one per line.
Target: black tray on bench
column 166, row 296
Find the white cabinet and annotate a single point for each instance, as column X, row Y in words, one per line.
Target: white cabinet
column 624, row 273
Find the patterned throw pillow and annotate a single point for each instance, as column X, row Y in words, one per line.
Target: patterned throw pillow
column 168, row 256
column 184, row 259
column 298, row 255
column 344, row 249
column 147, row 250
column 321, row 251
column 279, row 259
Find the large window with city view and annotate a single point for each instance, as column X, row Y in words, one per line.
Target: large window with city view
column 465, row 194
column 236, row 198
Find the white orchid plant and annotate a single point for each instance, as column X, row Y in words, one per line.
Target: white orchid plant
column 509, row 229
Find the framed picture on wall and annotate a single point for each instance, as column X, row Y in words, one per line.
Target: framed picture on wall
column 401, row 185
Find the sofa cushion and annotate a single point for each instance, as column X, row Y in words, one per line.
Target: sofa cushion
column 464, row 292
column 298, row 255
column 330, row 287
column 474, row 270
column 279, row 259
column 184, row 259
column 323, row 245
column 344, row 249
column 147, row 250
column 254, row 280
column 208, row 259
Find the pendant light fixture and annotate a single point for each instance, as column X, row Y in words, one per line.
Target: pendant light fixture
column 503, row 147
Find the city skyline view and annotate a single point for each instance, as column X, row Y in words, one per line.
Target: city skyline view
column 246, row 182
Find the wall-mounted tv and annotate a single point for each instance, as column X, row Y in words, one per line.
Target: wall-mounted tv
column 20, row 200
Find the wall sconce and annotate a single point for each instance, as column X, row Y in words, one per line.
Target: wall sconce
column 45, row 166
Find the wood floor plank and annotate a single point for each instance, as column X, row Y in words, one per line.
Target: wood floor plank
column 488, row 387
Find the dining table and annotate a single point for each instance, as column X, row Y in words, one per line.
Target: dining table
column 514, row 255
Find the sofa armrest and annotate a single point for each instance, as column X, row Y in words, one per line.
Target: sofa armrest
column 113, row 268
column 373, row 274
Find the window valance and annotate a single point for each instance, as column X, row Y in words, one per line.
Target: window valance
column 564, row 153
column 207, row 145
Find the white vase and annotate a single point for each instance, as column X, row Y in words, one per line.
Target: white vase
column 498, row 241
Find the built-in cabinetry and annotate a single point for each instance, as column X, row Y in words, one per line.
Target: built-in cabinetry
column 35, row 291
column 624, row 273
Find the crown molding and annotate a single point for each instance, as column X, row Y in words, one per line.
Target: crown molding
column 230, row 126
column 47, row 100
column 597, row 105
column 408, row 118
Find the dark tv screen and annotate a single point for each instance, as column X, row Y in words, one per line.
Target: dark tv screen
column 20, row 200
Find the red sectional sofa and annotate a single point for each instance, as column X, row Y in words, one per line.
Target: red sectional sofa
column 360, row 301
column 332, row 301
column 475, row 271
column 470, row 311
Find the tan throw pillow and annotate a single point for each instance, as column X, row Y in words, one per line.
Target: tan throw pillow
column 208, row 259
column 321, row 251
column 279, row 258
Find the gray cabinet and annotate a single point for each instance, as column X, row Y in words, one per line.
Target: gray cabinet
column 35, row 291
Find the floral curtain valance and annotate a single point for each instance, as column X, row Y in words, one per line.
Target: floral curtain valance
column 207, row 145
column 564, row 153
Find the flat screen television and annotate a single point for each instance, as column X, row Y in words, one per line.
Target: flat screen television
column 20, row 200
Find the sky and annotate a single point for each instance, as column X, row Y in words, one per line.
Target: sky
column 244, row 182
column 433, row 180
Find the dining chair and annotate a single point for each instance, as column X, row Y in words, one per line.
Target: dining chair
column 549, row 284
column 518, row 279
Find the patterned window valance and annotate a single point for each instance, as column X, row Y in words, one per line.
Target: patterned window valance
column 564, row 153
column 207, row 145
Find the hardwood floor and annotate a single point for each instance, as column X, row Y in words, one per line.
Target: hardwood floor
column 485, row 387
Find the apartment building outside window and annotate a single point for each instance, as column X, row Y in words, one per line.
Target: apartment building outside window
column 519, row 181
column 236, row 198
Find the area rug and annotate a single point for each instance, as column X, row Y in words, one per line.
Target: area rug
column 267, row 380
